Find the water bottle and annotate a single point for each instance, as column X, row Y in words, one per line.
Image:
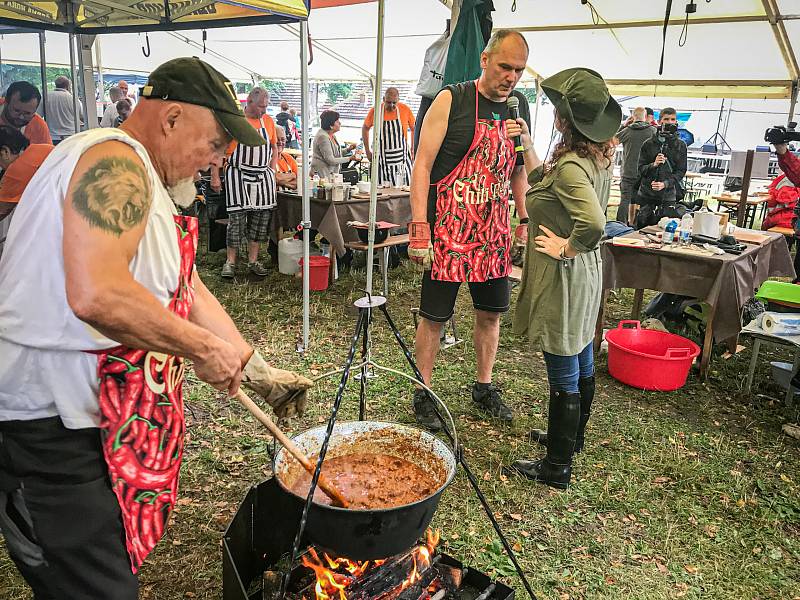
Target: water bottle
column 687, row 223
column 669, row 231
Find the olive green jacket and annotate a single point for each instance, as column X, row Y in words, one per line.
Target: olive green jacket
column 559, row 300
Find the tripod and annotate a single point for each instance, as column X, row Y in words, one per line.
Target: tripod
column 366, row 307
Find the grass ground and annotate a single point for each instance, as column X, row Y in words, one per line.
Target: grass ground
column 692, row 494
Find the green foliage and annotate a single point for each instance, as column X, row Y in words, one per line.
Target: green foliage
column 529, row 93
column 32, row 74
column 337, row 91
column 273, row 87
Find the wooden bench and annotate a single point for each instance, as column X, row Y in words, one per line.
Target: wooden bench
column 383, row 257
column 787, row 231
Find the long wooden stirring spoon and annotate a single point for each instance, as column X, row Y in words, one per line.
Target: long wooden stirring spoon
column 326, row 486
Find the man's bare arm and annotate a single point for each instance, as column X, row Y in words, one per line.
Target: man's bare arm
column 209, row 314
column 434, row 129
column 105, row 214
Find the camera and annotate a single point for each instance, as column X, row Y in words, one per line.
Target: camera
column 782, row 135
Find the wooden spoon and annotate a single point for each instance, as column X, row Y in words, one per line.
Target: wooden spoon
column 326, row 486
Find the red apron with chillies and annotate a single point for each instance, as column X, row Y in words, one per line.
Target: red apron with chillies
column 142, row 422
column 471, row 233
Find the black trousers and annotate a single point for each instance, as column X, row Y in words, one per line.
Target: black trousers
column 60, row 519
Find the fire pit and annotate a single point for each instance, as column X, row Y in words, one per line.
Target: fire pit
column 258, row 542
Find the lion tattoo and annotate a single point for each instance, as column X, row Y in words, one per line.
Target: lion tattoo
column 114, row 195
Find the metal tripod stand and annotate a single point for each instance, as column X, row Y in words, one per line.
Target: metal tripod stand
column 366, row 307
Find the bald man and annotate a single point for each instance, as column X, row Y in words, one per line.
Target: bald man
column 93, row 345
column 397, row 135
column 61, row 117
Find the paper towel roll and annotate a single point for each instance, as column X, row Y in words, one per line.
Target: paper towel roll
column 775, row 323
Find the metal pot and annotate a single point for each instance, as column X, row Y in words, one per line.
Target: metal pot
column 375, row 533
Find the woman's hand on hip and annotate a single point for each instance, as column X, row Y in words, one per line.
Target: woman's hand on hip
column 550, row 243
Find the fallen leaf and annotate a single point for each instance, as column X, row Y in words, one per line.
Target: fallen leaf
column 525, row 534
column 517, row 547
column 487, row 476
column 516, row 516
column 662, row 568
column 691, row 569
column 610, row 580
column 177, row 543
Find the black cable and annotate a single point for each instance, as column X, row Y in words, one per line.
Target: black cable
column 664, row 36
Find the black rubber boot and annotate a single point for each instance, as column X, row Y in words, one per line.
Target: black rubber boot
column 586, row 389
column 562, row 424
column 424, row 412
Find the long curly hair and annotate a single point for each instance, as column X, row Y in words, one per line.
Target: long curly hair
column 572, row 140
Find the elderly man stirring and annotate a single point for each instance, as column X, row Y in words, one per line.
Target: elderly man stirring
column 93, row 346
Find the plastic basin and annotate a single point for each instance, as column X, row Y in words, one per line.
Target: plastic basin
column 649, row 360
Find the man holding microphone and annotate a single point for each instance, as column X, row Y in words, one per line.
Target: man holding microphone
column 467, row 165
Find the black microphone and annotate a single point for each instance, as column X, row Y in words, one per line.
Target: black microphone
column 513, row 109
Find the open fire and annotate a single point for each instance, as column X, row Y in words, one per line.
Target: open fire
column 404, row 577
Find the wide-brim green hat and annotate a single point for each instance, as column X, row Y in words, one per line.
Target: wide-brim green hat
column 581, row 97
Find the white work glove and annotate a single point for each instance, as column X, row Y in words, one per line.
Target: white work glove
column 284, row 391
column 420, row 249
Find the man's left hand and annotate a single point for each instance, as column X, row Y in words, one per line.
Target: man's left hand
column 284, row 391
column 521, row 234
column 781, row 148
column 657, row 186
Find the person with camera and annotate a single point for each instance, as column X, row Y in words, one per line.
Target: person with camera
column 789, row 163
column 662, row 167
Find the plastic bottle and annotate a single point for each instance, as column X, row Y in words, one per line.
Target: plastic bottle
column 669, row 231
column 314, row 185
column 687, row 224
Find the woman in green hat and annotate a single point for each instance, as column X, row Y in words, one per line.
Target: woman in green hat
column 562, row 279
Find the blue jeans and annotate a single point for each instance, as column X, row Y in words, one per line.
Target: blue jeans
column 563, row 372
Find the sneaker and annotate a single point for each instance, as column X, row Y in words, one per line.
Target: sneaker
column 424, row 411
column 227, row 271
column 257, row 269
column 487, row 397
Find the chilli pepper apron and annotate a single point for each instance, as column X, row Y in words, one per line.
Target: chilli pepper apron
column 142, row 421
column 472, row 232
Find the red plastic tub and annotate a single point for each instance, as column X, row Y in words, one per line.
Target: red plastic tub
column 649, row 360
column 318, row 267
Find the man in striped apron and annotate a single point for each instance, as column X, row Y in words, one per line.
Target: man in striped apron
column 250, row 189
column 394, row 160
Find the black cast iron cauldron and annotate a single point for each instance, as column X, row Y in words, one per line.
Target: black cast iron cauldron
column 379, row 533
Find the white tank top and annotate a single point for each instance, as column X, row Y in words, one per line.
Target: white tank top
column 44, row 369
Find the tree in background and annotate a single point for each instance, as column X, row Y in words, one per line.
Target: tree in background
column 529, row 93
column 10, row 73
column 337, row 91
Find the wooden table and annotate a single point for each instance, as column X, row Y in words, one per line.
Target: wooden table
column 731, row 203
column 724, row 282
column 330, row 218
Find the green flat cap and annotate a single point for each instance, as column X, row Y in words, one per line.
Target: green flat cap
column 580, row 95
column 193, row 81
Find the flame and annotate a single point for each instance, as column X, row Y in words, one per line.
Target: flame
column 332, row 581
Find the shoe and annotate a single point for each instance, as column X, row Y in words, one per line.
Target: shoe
column 487, row 397
column 424, row 411
column 227, row 271
column 257, row 269
column 555, row 469
column 586, row 388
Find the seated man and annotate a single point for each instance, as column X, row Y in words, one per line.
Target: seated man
column 19, row 160
column 286, row 169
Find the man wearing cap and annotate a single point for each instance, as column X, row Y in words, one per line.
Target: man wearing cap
column 19, row 160
column 250, row 187
column 465, row 170
column 94, row 336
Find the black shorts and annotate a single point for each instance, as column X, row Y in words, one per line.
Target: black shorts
column 439, row 297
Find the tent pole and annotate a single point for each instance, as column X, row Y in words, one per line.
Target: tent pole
column 98, row 58
column 306, row 180
column 376, row 147
column 43, row 67
column 73, row 81
column 793, row 99
column 536, row 108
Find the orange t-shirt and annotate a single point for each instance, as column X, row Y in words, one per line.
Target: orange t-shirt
column 36, row 131
column 403, row 112
column 269, row 125
column 21, row 171
column 287, row 163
